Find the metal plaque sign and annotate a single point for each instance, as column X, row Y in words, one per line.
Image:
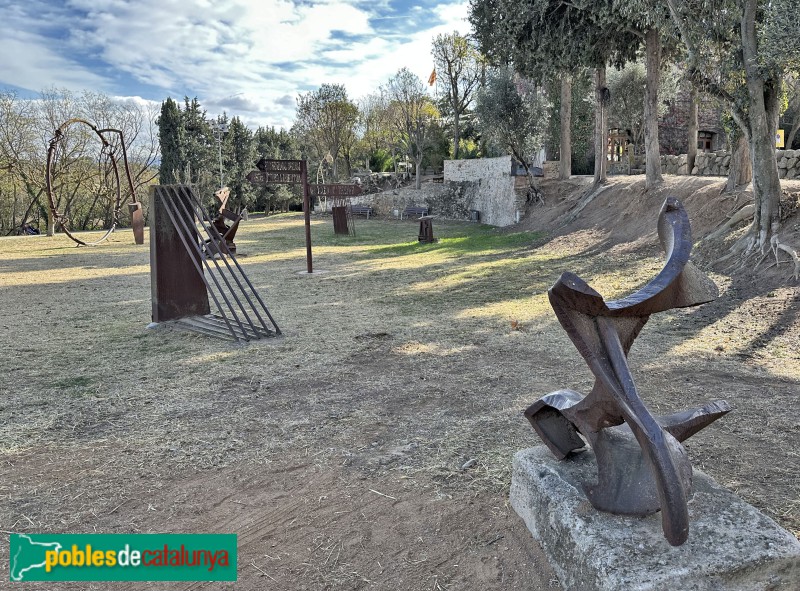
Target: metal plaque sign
column 276, row 172
column 334, row 190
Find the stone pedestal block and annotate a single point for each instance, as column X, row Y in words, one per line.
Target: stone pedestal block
column 731, row 546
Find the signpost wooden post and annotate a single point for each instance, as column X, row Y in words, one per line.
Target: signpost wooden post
column 287, row 172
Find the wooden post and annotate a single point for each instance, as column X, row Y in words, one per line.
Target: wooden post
column 307, row 210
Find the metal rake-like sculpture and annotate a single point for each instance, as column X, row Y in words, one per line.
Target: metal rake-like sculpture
column 642, row 466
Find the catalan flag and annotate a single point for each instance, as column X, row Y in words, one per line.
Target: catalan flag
column 432, row 78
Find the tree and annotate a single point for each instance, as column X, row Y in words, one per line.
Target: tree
column 379, row 135
column 172, row 142
column 572, row 133
column 200, row 147
column 241, row 159
column 458, row 69
column 629, row 96
column 649, row 18
column 739, row 51
column 565, row 139
column 512, row 113
column 792, row 82
column 694, row 128
column 551, row 37
column 188, row 146
column 325, row 122
column 21, row 161
column 413, row 114
column 280, row 145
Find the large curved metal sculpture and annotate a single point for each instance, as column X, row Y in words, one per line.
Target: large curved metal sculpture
column 642, row 466
column 137, row 221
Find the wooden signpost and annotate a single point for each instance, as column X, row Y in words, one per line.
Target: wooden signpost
column 287, row 172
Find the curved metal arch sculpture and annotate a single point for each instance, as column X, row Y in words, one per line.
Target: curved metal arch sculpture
column 137, row 222
column 642, row 466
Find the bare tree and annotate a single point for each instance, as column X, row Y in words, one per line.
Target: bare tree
column 414, row 115
column 83, row 184
column 458, row 69
column 325, row 120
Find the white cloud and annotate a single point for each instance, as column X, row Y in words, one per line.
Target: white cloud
column 245, row 57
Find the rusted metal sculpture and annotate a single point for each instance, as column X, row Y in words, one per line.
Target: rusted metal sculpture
column 343, row 222
column 426, row 229
column 287, row 172
column 207, row 294
column 134, row 207
column 226, row 232
column 642, row 466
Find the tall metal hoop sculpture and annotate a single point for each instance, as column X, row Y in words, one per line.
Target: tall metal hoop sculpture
column 136, row 209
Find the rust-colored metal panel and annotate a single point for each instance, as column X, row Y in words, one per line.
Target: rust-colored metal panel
column 290, row 172
column 137, row 221
column 340, row 220
column 177, row 285
column 426, row 229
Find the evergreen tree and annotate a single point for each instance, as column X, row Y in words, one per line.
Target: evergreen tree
column 171, row 138
column 242, row 155
column 200, row 145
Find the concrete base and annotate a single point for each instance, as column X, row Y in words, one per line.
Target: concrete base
column 731, row 546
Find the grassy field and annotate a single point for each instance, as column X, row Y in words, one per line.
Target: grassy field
column 399, row 362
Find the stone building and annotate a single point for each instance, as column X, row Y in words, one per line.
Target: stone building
column 673, row 127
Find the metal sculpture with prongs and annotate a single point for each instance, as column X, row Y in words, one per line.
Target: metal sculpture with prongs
column 642, row 466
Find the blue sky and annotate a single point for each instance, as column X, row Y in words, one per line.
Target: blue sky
column 248, row 58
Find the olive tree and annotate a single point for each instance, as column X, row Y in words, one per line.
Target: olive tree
column 512, row 113
column 739, row 51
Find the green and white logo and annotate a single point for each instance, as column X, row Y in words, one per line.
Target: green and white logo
column 122, row 557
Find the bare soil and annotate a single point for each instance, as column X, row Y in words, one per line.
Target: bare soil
column 340, row 452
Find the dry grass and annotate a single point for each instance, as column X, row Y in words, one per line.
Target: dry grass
column 401, row 360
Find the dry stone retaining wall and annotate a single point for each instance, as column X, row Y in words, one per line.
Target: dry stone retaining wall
column 718, row 164
column 484, row 184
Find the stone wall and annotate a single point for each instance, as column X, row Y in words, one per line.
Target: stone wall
column 447, row 200
column 718, row 163
column 484, row 184
column 494, row 196
column 788, row 164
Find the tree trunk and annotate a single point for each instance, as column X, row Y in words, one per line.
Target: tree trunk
column 455, row 135
column 602, row 98
column 652, row 151
column 694, row 126
column 762, row 111
column 565, row 163
column 418, row 181
column 793, row 132
column 741, row 168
